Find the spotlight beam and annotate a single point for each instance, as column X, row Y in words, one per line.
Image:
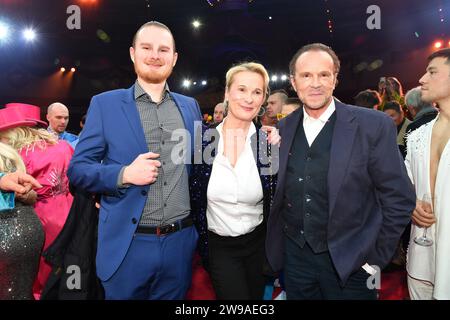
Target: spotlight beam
column 29, row 34
column 4, row 31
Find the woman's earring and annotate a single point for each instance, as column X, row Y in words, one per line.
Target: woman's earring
column 261, row 111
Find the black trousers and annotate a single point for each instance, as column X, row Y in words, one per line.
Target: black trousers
column 312, row 276
column 236, row 265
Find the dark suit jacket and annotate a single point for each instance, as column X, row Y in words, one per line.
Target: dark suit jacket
column 111, row 139
column 370, row 195
column 75, row 245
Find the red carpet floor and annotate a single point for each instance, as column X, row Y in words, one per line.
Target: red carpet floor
column 201, row 287
column 393, row 284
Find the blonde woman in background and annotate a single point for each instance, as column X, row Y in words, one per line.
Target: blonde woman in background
column 47, row 160
column 21, row 236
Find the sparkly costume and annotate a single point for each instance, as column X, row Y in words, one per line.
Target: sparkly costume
column 431, row 264
column 49, row 167
column 21, row 240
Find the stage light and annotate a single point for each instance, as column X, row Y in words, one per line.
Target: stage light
column 274, row 78
column 186, row 83
column 375, row 65
column 62, row 69
column 196, row 24
column 204, row 83
column 438, row 44
column 72, row 69
column 102, row 35
column 284, row 77
column 29, row 34
column 448, row 43
column 4, row 31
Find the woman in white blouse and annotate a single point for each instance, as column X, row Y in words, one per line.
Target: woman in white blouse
column 232, row 190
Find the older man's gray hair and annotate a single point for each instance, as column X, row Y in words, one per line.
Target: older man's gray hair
column 413, row 99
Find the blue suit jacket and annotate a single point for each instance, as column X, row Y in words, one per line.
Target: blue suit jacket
column 370, row 196
column 112, row 138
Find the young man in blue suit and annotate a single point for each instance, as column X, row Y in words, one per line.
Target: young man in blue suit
column 127, row 153
column 343, row 196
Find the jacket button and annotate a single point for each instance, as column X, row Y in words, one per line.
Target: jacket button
column 144, row 193
column 134, row 220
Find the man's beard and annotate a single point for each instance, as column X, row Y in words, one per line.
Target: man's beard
column 153, row 77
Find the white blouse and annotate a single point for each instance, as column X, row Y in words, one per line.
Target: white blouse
column 235, row 195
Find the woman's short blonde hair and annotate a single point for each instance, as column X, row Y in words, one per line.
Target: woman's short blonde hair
column 252, row 67
column 23, row 137
column 10, row 160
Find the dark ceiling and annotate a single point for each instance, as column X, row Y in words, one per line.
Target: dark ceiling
column 231, row 31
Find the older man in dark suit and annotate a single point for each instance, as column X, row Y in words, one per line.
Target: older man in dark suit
column 343, row 197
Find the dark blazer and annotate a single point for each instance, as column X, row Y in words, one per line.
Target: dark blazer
column 201, row 173
column 369, row 193
column 111, row 139
column 75, row 245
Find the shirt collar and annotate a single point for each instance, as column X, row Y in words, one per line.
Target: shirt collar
column 251, row 129
column 139, row 91
column 425, row 111
column 324, row 117
column 219, row 128
column 49, row 129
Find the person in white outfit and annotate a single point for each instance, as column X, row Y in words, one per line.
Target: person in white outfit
column 428, row 165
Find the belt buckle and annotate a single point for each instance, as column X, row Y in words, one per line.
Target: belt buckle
column 171, row 228
column 166, row 229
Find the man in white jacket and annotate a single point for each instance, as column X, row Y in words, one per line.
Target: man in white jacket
column 428, row 165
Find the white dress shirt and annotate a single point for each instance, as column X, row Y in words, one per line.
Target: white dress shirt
column 235, row 195
column 313, row 126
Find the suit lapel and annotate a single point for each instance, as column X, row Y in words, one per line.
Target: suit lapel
column 188, row 123
column 189, row 120
column 287, row 138
column 341, row 149
column 130, row 110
